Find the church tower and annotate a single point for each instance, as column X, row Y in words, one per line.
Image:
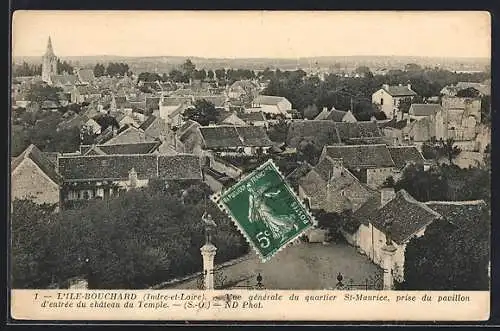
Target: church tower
column 49, row 63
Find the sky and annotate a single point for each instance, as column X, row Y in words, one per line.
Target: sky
column 245, row 34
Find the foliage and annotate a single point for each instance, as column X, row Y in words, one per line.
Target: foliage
column 134, row 240
column 278, row 132
column 41, row 92
column 149, row 77
column 64, row 67
column 450, row 257
column 203, row 112
column 31, row 254
column 117, row 69
column 106, row 121
column 311, row 112
column 308, row 151
column 41, row 129
column 446, row 183
column 486, row 109
column 26, row 70
column 469, row 92
column 436, row 149
column 99, row 70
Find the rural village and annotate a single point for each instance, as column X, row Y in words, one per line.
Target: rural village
column 112, row 169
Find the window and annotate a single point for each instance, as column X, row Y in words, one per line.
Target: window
column 86, row 195
column 382, row 101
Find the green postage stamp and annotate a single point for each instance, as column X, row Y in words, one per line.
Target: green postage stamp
column 266, row 210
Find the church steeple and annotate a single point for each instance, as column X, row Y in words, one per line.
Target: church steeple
column 49, row 63
column 50, row 50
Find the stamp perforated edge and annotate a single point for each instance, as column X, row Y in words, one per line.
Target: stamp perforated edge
column 216, row 198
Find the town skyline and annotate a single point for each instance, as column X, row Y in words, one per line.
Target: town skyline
column 31, row 30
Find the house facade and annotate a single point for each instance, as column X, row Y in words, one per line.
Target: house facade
column 388, row 98
column 33, row 175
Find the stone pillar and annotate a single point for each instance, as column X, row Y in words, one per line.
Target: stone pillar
column 208, row 252
column 388, row 251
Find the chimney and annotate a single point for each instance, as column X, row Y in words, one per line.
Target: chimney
column 386, row 195
column 325, row 109
column 385, row 86
column 409, row 86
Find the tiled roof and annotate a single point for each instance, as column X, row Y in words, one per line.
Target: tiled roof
column 361, row 156
column 336, row 115
column 222, row 136
column 395, row 124
column 64, row 79
column 404, row 155
column 86, row 75
column 117, row 167
column 405, row 216
column 188, row 129
column 363, row 214
column 460, row 213
column 217, row 100
column 253, row 136
column 482, row 88
column 358, row 130
column 320, row 132
column 131, row 135
column 400, row 91
column 147, row 123
column 174, row 101
column 252, row 117
column 137, row 148
column 419, row 109
column 33, row 153
column 268, row 100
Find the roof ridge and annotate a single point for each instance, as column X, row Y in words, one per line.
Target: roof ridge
column 457, row 203
column 407, row 196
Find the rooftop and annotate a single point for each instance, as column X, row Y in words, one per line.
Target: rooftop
column 117, row 167
column 34, row 154
column 399, row 90
column 419, row 109
column 361, row 156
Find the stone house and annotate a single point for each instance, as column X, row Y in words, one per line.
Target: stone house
column 171, row 109
column 188, row 138
column 87, row 177
column 243, row 89
column 388, row 98
column 484, row 88
column 127, row 135
column 331, row 187
column 371, row 164
column 463, row 115
column 397, row 216
column 34, row 175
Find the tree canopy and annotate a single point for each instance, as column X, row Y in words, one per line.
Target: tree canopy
column 203, row 112
column 136, row 240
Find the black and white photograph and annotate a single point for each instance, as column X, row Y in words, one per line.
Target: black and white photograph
column 125, row 124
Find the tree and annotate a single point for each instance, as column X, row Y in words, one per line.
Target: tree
column 64, row 67
column 203, row 112
column 412, row 67
column 220, row 74
column 99, row 70
column 308, row 151
column 210, row 74
column 364, row 71
column 41, row 92
column 469, row 92
column 404, row 105
column 450, row 257
column 450, row 149
column 278, row 132
column 31, row 254
column 188, row 68
column 486, row 109
column 106, row 121
column 311, row 112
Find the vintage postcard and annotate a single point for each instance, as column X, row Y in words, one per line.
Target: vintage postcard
column 238, row 166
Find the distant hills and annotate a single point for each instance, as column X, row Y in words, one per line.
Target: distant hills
column 166, row 63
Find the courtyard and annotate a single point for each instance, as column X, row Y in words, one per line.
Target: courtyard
column 303, row 266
